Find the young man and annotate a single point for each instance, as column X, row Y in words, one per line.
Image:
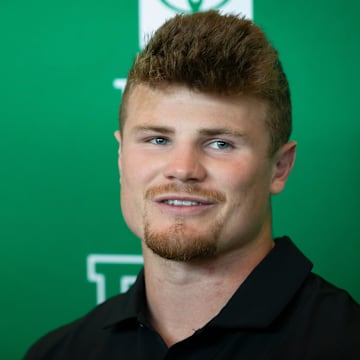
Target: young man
column 204, row 142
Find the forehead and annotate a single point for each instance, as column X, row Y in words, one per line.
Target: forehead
column 143, row 97
column 181, row 105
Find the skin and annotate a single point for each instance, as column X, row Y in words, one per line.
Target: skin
column 209, row 155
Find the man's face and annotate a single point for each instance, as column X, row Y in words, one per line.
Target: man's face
column 196, row 175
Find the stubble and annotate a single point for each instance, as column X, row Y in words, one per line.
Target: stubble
column 182, row 240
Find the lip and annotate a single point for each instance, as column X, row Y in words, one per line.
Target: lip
column 183, row 197
column 203, row 204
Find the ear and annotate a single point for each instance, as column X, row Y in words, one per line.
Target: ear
column 117, row 135
column 283, row 163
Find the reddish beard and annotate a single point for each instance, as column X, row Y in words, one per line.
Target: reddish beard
column 181, row 241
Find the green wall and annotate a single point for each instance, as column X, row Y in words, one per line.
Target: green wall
column 58, row 175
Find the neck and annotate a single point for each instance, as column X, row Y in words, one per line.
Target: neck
column 183, row 297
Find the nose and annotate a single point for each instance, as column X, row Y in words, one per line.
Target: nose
column 185, row 164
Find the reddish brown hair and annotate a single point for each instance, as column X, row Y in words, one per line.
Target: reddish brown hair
column 221, row 54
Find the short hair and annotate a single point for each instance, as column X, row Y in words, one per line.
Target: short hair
column 214, row 53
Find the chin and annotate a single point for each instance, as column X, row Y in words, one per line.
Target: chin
column 180, row 244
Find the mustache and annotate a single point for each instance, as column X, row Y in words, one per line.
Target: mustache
column 213, row 195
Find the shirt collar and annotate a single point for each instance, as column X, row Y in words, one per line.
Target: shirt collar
column 256, row 304
column 267, row 290
column 128, row 307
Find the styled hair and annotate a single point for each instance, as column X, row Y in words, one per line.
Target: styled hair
column 213, row 53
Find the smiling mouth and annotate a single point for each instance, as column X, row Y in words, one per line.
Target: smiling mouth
column 174, row 195
column 176, row 202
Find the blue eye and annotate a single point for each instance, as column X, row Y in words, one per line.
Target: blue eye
column 220, row 145
column 159, row 141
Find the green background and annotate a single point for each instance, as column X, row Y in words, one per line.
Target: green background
column 58, row 175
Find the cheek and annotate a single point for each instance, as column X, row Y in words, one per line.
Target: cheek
column 131, row 204
column 141, row 168
column 137, row 175
column 131, row 182
column 240, row 175
column 130, row 192
column 247, row 180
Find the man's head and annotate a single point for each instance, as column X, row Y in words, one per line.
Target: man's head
column 205, row 121
column 216, row 54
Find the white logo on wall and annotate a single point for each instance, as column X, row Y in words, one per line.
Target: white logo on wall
column 101, row 266
column 153, row 13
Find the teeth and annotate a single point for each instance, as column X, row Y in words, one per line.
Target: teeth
column 182, row 202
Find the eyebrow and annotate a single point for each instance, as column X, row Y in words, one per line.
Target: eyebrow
column 221, row 132
column 151, row 128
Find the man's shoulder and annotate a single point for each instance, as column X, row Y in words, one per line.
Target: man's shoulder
column 310, row 292
column 322, row 292
column 49, row 346
column 332, row 314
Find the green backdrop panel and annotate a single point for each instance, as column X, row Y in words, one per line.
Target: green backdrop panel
column 64, row 243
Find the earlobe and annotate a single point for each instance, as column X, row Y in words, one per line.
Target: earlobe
column 117, row 135
column 284, row 162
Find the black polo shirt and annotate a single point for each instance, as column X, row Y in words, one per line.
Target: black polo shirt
column 281, row 311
